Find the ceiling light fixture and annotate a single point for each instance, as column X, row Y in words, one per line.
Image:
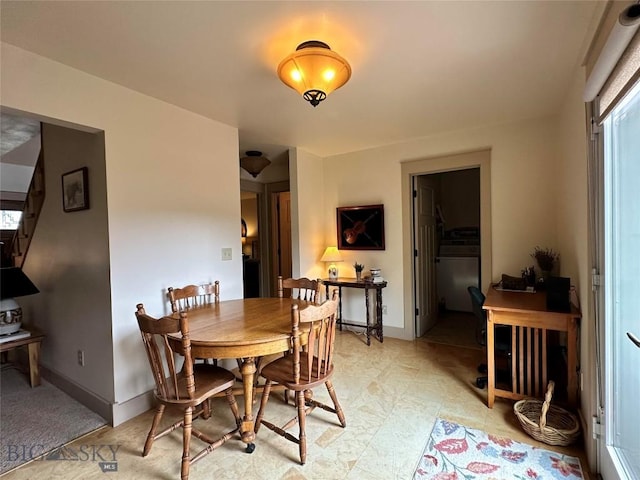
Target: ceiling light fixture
column 314, row 71
column 254, row 162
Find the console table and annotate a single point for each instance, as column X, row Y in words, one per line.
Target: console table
column 366, row 286
column 33, row 345
column 530, row 322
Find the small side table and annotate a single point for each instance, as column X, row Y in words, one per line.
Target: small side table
column 33, row 345
column 366, row 285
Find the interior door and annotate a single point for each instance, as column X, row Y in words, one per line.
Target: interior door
column 281, row 236
column 425, row 249
column 620, row 445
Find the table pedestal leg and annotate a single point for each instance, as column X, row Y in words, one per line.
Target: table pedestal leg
column 248, row 371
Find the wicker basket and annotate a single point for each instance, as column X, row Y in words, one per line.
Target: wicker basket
column 547, row 423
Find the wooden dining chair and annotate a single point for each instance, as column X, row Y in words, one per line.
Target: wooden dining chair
column 313, row 326
column 193, row 296
column 301, row 288
column 298, row 288
column 189, row 389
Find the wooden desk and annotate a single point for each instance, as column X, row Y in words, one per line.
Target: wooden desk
column 248, row 329
column 353, row 283
column 530, row 320
column 33, row 346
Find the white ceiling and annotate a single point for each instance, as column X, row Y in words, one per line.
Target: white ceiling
column 419, row 67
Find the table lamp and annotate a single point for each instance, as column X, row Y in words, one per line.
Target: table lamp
column 332, row 255
column 13, row 283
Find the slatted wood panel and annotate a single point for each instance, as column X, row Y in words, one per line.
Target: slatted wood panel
column 536, row 336
column 529, row 367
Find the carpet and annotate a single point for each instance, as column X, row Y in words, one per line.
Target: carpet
column 35, row 421
column 456, row 452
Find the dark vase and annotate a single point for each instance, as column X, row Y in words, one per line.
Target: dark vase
column 542, row 281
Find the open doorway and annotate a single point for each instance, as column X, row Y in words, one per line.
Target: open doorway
column 447, row 219
column 451, row 238
column 250, row 233
column 266, row 249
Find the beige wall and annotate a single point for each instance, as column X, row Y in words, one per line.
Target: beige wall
column 572, row 221
column 523, row 200
column 173, row 199
column 68, row 260
column 307, row 214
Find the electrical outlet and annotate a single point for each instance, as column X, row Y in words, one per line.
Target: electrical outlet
column 81, row 358
column 384, row 309
column 226, row 254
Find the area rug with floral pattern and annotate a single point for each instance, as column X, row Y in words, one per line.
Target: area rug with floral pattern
column 456, row 452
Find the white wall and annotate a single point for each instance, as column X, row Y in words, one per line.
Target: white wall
column 523, row 198
column 573, row 221
column 173, row 195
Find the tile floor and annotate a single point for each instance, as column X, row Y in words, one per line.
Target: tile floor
column 391, row 394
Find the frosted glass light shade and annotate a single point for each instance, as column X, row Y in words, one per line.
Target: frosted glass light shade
column 254, row 162
column 314, row 71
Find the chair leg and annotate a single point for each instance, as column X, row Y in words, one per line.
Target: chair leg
column 302, row 421
column 336, row 404
column 234, row 406
column 186, row 443
column 263, row 404
column 152, row 432
column 206, row 409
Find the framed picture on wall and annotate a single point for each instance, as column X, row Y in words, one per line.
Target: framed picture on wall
column 361, row 228
column 75, row 190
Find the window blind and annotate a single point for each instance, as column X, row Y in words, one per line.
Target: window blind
column 618, row 65
column 624, row 76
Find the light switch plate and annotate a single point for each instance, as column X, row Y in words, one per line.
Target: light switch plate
column 226, row 254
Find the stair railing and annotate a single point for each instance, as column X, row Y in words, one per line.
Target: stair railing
column 30, row 213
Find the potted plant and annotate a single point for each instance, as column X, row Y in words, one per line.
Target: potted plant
column 546, row 259
column 358, row 267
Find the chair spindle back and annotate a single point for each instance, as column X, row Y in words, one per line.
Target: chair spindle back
column 155, row 333
column 301, row 288
column 321, row 323
column 193, row 296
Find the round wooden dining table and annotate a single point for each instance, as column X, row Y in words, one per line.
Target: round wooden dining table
column 244, row 329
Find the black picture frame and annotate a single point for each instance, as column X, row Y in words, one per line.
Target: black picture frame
column 75, row 190
column 360, row 228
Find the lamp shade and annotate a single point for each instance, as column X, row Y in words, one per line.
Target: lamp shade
column 14, row 283
column 331, row 254
column 254, row 162
column 314, row 71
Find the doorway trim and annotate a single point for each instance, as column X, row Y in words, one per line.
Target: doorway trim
column 440, row 164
